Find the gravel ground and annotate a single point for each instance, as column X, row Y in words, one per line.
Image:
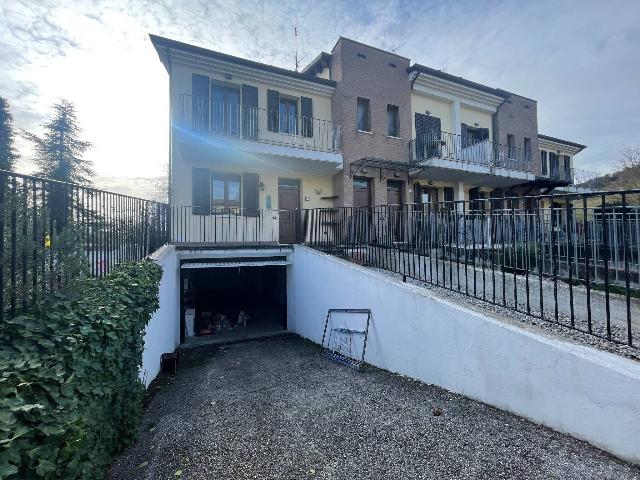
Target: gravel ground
column 278, row 409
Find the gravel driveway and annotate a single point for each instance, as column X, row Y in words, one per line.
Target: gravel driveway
column 277, row 408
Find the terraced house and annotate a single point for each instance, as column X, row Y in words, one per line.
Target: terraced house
column 357, row 127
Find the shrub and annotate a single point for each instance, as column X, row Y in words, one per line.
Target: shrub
column 70, row 397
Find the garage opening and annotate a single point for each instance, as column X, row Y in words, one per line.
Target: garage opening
column 233, row 300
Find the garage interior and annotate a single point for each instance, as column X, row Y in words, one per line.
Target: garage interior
column 232, row 300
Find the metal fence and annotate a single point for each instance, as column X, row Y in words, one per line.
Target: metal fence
column 570, row 259
column 234, row 226
column 53, row 232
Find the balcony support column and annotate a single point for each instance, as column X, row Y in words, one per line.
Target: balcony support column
column 459, row 195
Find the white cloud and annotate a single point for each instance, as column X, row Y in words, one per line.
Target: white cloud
column 578, row 59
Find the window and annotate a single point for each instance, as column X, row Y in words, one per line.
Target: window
column 392, row 121
column 543, row 161
column 288, row 114
column 449, row 194
column 363, row 115
column 225, row 192
column 473, row 135
column 511, row 145
column 225, row 110
column 527, row 148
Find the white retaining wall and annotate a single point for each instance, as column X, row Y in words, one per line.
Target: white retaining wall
column 162, row 334
column 590, row 394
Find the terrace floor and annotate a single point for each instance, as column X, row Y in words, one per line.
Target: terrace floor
column 277, row 408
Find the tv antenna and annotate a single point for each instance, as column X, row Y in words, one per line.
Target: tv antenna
column 297, row 59
column 395, row 50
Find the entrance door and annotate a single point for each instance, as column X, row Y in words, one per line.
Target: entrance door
column 360, row 220
column 394, row 192
column 289, row 206
column 361, row 192
column 394, row 197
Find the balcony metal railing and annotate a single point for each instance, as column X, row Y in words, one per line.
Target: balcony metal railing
column 578, row 179
column 450, row 146
column 202, row 114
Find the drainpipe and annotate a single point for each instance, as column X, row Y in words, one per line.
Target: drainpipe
column 495, row 120
column 169, row 189
column 415, row 77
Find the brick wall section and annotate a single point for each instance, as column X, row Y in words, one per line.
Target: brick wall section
column 519, row 117
column 373, row 78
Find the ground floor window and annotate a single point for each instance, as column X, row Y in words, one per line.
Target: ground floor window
column 225, row 192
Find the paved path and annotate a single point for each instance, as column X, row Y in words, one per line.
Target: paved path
column 278, row 409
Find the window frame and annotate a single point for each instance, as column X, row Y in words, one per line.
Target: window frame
column 395, row 110
column 225, row 205
column 366, row 127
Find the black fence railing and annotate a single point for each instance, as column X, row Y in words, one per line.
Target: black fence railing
column 53, row 232
column 570, row 259
column 232, row 226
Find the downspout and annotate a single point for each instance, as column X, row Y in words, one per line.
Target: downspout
column 415, row 77
column 169, row 189
column 495, row 122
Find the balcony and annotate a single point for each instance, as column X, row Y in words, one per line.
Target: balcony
column 448, row 156
column 575, row 180
column 240, row 128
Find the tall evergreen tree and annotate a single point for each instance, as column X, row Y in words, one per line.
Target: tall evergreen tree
column 8, row 155
column 60, row 151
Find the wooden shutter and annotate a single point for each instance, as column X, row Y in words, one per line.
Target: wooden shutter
column 306, row 114
column 249, row 112
column 250, row 200
column 199, row 102
column 200, row 191
column 273, row 106
column 464, row 139
column 567, row 167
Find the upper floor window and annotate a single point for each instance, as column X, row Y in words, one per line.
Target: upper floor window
column 392, row 121
column 543, row 162
column 527, row 148
column 225, row 109
column 288, row 114
column 511, row 145
column 363, row 115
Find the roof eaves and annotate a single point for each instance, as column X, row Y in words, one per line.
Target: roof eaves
column 416, row 67
column 564, row 142
column 164, row 42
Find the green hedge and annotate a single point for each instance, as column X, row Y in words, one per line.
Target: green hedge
column 70, row 397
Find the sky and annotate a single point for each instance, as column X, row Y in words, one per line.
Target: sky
column 579, row 59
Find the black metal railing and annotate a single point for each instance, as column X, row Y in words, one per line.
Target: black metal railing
column 53, row 232
column 436, row 144
column 570, row 259
column 202, row 114
column 577, row 178
column 234, row 226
